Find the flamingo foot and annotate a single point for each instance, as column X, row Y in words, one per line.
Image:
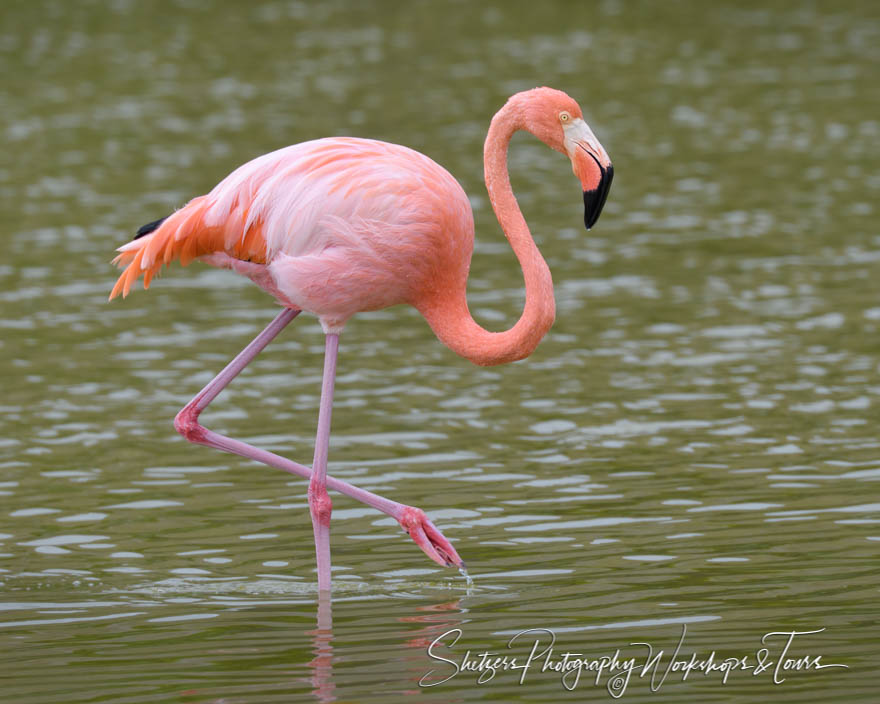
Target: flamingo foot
column 426, row 535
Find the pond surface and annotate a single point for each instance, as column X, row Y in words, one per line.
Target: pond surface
column 694, row 446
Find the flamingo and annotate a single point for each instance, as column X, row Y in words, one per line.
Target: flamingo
column 341, row 225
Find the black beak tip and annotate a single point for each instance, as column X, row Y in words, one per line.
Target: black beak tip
column 594, row 200
column 590, row 214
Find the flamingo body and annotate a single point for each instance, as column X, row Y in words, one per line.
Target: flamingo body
column 332, row 226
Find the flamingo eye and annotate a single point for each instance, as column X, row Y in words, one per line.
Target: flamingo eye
column 564, row 116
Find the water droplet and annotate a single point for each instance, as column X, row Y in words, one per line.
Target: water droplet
column 464, row 573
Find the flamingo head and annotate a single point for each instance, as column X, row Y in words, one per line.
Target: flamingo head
column 557, row 120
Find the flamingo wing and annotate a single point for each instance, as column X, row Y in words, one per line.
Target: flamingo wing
column 299, row 201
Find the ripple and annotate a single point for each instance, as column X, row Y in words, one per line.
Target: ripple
column 734, row 331
column 813, row 407
column 70, row 619
column 24, row 512
column 858, row 508
column 258, row 536
column 52, row 550
column 147, row 504
column 786, row 449
column 66, row 540
column 680, row 536
column 181, row 617
column 862, row 474
column 82, row 517
column 586, row 523
column 745, row 506
column 527, row 573
column 553, row 426
column 829, row 321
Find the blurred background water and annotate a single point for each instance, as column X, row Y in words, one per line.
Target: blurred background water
column 695, row 442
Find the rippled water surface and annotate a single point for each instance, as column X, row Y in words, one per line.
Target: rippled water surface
column 694, row 445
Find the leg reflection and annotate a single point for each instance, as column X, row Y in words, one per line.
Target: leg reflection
column 322, row 664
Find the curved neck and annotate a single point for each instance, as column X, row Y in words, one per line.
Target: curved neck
column 449, row 315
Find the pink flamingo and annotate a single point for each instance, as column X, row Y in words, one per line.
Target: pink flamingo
column 341, row 225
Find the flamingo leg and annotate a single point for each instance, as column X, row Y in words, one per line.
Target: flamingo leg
column 413, row 520
column 320, row 505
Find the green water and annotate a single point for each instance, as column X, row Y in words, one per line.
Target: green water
column 695, row 442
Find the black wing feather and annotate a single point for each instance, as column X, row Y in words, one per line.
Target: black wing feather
column 150, row 227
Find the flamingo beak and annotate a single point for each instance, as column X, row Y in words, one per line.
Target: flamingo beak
column 592, row 166
column 594, row 199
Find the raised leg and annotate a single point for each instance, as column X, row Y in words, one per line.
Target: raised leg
column 413, row 520
column 320, row 505
column 189, row 414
